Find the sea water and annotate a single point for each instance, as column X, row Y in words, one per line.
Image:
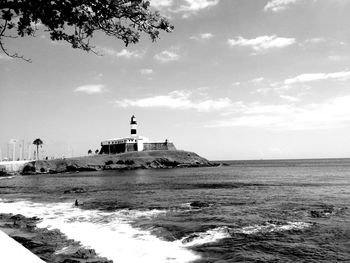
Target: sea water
column 254, row 211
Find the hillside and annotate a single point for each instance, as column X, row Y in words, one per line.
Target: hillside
column 124, row 161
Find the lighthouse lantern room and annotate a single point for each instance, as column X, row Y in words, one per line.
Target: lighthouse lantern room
column 133, row 126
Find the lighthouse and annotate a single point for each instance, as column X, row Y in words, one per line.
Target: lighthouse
column 133, row 126
column 134, row 143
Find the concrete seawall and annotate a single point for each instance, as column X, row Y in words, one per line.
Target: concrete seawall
column 13, row 252
column 14, row 166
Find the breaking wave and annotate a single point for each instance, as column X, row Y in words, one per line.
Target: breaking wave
column 216, row 234
column 273, row 227
column 112, row 234
column 6, row 177
column 109, row 233
column 210, row 236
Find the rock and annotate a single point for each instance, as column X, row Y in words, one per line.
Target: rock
column 30, row 226
column 129, row 162
column 326, row 212
column 29, row 169
column 124, row 161
column 27, row 242
column 115, row 167
column 75, row 190
column 199, row 204
column 46, row 243
column 18, row 217
column 70, row 260
column 189, row 238
column 87, row 168
column 84, row 253
column 3, row 171
column 163, row 233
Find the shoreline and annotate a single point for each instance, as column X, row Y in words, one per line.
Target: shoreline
column 12, row 251
column 48, row 245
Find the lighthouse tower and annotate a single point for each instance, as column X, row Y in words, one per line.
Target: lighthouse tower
column 133, row 126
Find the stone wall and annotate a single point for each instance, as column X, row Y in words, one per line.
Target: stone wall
column 13, row 166
column 158, row 146
column 132, row 147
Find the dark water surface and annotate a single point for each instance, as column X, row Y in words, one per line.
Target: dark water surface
column 255, row 211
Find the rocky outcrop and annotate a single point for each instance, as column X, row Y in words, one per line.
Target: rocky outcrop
column 75, row 190
column 3, row 171
column 49, row 245
column 199, row 204
column 327, row 211
column 124, row 161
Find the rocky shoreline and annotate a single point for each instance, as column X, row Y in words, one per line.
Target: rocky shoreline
column 50, row 245
column 3, row 172
column 124, row 161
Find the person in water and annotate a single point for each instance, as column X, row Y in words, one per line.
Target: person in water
column 76, row 202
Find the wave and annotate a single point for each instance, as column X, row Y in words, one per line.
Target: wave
column 273, row 227
column 6, row 177
column 209, row 236
column 112, row 235
column 109, row 233
column 218, row 233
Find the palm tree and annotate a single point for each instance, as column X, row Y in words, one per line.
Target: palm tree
column 38, row 142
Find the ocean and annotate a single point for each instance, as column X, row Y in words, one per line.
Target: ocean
column 246, row 211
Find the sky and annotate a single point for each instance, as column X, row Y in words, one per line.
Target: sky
column 236, row 79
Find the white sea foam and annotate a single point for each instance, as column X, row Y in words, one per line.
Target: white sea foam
column 270, row 227
column 210, row 236
column 6, row 177
column 109, row 233
column 216, row 234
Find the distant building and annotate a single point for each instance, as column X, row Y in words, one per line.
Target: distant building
column 134, row 143
column 18, row 149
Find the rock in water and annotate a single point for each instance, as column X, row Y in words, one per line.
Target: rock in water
column 75, row 190
column 198, row 204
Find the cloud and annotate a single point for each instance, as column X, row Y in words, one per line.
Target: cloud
column 124, row 53
column 264, row 90
column 333, row 113
column 203, row 36
column 262, row 43
column 167, row 56
column 91, row 89
column 279, row 5
column 184, row 7
column 257, row 80
column 342, row 75
column 146, row 71
column 161, row 3
column 195, row 5
column 316, row 40
column 334, row 57
column 290, row 98
column 176, row 100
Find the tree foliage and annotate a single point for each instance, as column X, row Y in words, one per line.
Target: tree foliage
column 38, row 142
column 76, row 21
